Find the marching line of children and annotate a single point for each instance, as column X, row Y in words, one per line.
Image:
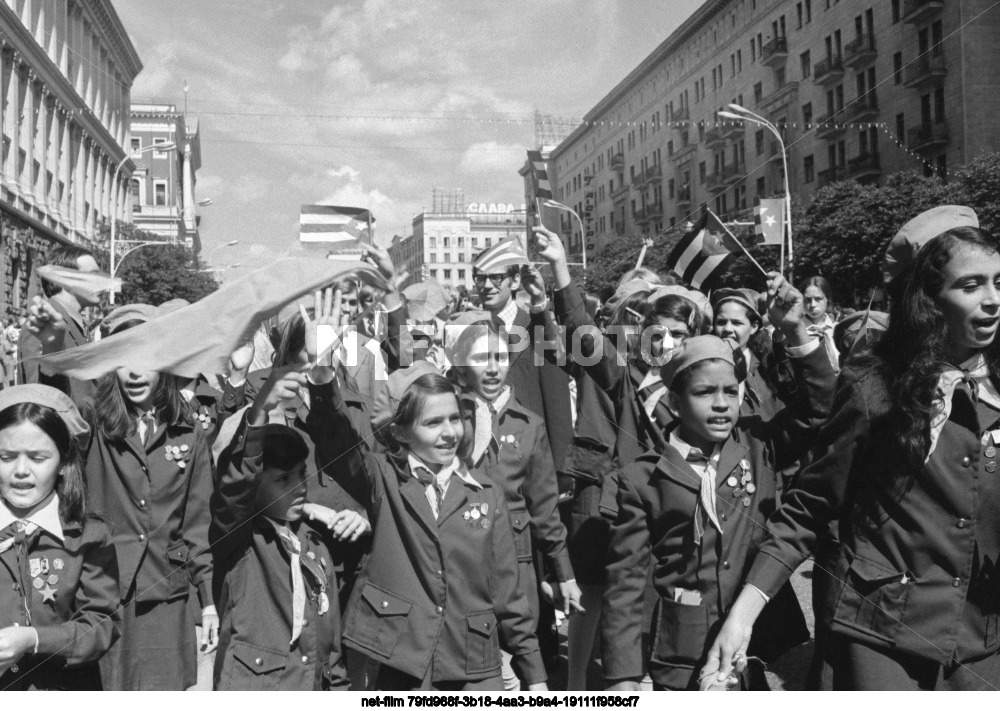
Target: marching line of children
column 311, row 531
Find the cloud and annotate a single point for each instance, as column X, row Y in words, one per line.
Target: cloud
column 492, row 157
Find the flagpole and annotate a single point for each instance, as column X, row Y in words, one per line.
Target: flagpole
column 371, row 235
column 642, row 252
column 750, row 256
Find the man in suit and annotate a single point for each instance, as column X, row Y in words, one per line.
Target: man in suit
column 70, row 305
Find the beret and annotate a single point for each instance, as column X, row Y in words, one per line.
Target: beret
column 622, row 293
column 55, row 399
column 877, row 321
column 694, row 350
column 919, row 231
column 696, row 297
column 388, row 398
column 129, row 312
column 746, row 297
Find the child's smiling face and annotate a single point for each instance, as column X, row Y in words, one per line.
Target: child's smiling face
column 437, row 433
column 708, row 405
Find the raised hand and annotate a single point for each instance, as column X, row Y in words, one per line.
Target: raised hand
column 379, row 256
column 46, row 324
column 786, row 309
column 533, row 283
column 240, row 361
column 548, row 245
column 284, row 384
column 326, row 316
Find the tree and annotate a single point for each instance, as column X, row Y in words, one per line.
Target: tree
column 979, row 180
column 158, row 273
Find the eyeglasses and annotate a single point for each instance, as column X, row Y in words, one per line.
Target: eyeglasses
column 479, row 279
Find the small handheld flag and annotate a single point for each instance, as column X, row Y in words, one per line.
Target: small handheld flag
column 540, row 176
column 335, row 225
column 704, row 253
column 769, row 221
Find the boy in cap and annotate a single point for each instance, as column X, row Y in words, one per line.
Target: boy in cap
column 698, row 508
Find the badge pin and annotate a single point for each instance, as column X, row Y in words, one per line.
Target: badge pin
column 751, row 488
column 991, row 451
column 746, row 501
column 38, row 583
column 475, row 514
column 991, row 467
column 48, row 594
column 58, row 564
column 45, row 566
column 466, row 515
column 52, row 579
column 731, row 481
column 485, row 524
column 324, row 603
column 996, row 436
column 485, row 508
column 311, row 556
column 34, row 567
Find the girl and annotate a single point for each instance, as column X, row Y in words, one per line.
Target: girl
column 694, row 513
column 819, row 305
column 440, row 589
column 59, row 577
column 149, row 473
column 907, row 465
column 512, row 449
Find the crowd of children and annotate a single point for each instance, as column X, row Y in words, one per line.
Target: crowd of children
column 352, row 506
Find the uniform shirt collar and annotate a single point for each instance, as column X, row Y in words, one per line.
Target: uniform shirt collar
column 46, row 518
column 683, row 448
column 456, row 468
column 508, row 313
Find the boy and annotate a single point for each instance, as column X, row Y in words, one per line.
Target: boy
column 275, row 584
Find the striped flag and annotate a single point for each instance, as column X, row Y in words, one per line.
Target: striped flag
column 704, row 253
column 769, row 221
column 333, row 224
column 540, row 175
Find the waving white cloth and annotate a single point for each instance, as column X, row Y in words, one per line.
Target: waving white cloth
column 975, row 372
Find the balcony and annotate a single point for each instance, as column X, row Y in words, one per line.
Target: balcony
column 684, row 152
column 918, row 11
column 639, row 180
column 684, row 198
column 781, row 96
column 714, row 138
column 734, row 173
column 619, row 194
column 654, row 174
column 925, row 138
column 618, row 162
column 832, row 175
column 620, row 228
column 860, row 51
column 651, row 213
column 716, row 182
column 865, row 167
column 929, row 69
column 864, row 108
column 825, row 128
column 681, row 114
column 829, row 70
column 776, row 52
column 733, row 129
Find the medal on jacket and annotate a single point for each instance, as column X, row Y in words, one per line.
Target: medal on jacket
column 181, row 454
column 316, row 573
column 744, row 487
column 475, row 515
column 201, row 417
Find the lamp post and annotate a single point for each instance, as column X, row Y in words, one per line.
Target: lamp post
column 230, row 243
column 166, row 147
column 741, row 113
column 583, row 233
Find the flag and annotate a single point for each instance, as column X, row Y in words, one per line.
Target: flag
column 501, row 257
column 540, row 175
column 704, row 253
column 333, row 224
column 769, row 221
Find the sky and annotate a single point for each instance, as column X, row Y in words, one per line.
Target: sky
column 372, row 103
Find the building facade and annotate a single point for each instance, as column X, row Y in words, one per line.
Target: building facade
column 857, row 88
column 454, row 232
column 163, row 182
column 407, row 255
column 66, row 68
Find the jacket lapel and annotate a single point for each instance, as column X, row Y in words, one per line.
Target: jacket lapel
column 522, row 320
column 732, row 453
column 413, row 495
column 673, row 466
column 454, row 499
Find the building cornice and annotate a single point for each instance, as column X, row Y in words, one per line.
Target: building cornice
column 24, row 46
column 103, row 16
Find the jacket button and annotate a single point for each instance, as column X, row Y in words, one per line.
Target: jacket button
column 439, row 609
column 142, row 503
column 439, row 573
column 966, row 462
column 956, row 582
column 258, row 661
column 142, row 536
column 486, row 625
column 305, row 659
column 305, row 623
column 725, row 565
column 960, row 523
column 15, row 587
column 385, row 604
column 725, row 517
column 15, row 669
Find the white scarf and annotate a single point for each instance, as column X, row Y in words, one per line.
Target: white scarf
column 977, row 371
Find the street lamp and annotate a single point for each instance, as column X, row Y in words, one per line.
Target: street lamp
column 583, row 233
column 204, row 202
column 230, row 243
column 741, row 113
column 166, row 147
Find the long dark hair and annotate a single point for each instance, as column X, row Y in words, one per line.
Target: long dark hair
column 914, row 351
column 70, row 484
column 410, row 407
column 116, row 417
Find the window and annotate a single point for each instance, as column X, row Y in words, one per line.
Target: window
column 136, row 144
column 758, row 92
column 809, row 11
column 701, row 172
column 461, row 258
column 895, row 11
column 433, row 259
column 798, row 14
column 937, row 36
column 136, row 195
column 447, row 257
column 433, row 242
column 489, row 241
column 447, row 240
column 434, row 273
column 157, row 142
column 809, row 168
column 806, row 60
column 807, row 114
column 761, row 187
column 939, row 105
column 461, row 274
column 942, row 166
column 461, row 241
column 160, row 192
column 900, row 127
column 897, row 68
column 447, row 273
column 758, row 140
column 779, row 77
column 475, row 243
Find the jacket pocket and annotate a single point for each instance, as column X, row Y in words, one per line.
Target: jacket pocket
column 178, row 582
column 253, row 668
column 873, row 599
column 379, row 620
column 519, row 520
column 482, row 647
column 680, row 635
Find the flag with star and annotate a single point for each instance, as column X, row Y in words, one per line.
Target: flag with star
column 704, row 253
column 540, row 175
column 769, row 220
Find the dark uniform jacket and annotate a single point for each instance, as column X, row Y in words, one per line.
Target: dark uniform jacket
column 435, row 595
column 78, row 627
column 30, row 350
column 921, row 579
column 657, row 498
column 253, row 590
column 157, row 509
column 519, row 461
